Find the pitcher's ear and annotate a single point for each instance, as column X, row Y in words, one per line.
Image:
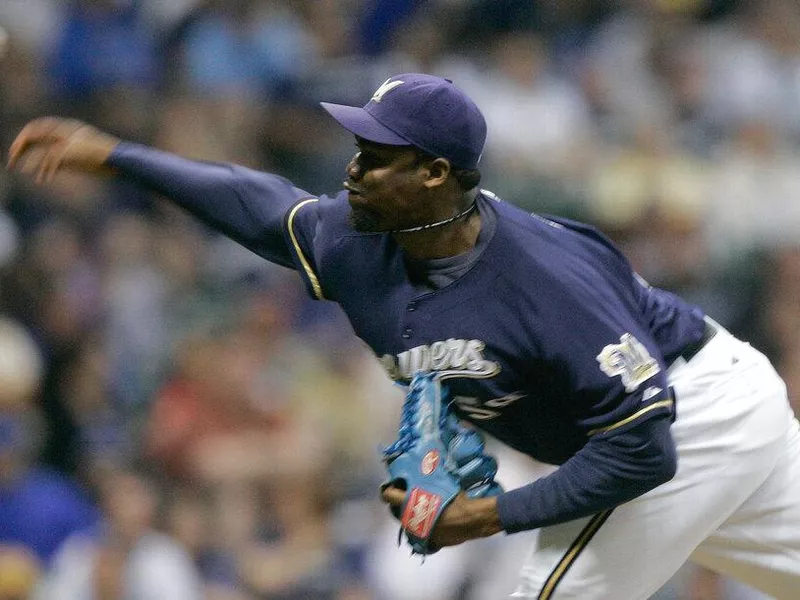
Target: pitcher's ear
column 439, row 171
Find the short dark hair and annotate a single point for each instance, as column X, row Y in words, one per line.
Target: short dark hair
column 467, row 178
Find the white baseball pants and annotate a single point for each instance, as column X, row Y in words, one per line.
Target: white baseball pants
column 733, row 506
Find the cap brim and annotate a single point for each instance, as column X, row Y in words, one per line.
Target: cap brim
column 359, row 122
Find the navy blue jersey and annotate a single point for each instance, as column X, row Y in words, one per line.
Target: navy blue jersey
column 526, row 340
column 550, row 342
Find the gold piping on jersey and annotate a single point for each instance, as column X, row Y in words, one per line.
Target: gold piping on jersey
column 312, row 277
column 634, row 416
column 569, row 558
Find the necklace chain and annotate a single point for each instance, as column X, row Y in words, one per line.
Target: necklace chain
column 460, row 215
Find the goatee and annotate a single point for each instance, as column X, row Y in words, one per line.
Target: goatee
column 363, row 221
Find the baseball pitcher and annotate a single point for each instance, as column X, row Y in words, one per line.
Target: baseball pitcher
column 674, row 440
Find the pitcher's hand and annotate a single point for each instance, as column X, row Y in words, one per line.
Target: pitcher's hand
column 464, row 519
column 50, row 144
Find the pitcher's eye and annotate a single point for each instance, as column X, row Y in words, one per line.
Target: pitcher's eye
column 367, row 160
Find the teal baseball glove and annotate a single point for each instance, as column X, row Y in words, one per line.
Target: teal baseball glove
column 434, row 459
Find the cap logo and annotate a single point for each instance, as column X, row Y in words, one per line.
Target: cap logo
column 385, row 87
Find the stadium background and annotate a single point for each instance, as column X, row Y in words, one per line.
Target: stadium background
column 178, row 420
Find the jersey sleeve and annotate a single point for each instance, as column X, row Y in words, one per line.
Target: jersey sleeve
column 603, row 474
column 246, row 205
column 265, row 213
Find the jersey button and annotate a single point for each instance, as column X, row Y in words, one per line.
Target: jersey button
column 412, row 306
column 407, row 333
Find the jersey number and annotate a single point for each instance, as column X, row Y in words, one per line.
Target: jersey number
column 473, row 408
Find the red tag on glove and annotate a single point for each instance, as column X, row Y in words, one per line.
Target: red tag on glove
column 420, row 513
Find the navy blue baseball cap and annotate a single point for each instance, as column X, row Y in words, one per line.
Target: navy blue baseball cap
column 419, row 110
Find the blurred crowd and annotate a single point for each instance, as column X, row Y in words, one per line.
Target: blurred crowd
column 178, row 420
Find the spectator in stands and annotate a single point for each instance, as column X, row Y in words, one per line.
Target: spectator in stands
column 124, row 556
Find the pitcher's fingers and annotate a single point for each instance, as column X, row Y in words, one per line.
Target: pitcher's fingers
column 37, row 131
column 52, row 161
column 17, row 149
column 393, row 496
column 28, row 162
column 34, row 132
column 72, row 132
